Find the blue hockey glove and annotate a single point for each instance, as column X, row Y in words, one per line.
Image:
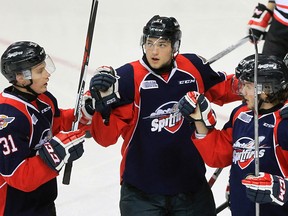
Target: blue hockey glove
column 187, row 106
column 259, row 22
column 266, row 188
column 104, row 91
column 63, row 148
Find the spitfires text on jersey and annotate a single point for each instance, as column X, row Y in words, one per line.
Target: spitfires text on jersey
column 167, row 117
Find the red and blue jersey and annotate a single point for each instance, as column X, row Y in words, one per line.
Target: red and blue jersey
column 27, row 185
column 158, row 154
column 281, row 12
column 279, row 24
column 234, row 145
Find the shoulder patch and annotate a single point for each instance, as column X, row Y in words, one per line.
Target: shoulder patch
column 5, row 120
column 245, row 117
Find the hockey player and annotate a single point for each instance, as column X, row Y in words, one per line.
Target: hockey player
column 274, row 15
column 234, row 145
column 33, row 143
column 161, row 171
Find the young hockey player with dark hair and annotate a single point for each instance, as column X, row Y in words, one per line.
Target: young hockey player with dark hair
column 273, row 17
column 35, row 141
column 162, row 172
column 234, row 145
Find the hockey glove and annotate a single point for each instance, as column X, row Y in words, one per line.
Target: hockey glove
column 284, row 111
column 187, row 106
column 266, row 188
column 63, row 148
column 87, row 109
column 207, row 113
column 259, row 22
column 104, row 90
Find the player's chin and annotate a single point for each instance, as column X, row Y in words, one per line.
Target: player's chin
column 250, row 105
column 42, row 90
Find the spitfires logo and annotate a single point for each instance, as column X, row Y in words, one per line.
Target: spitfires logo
column 166, row 117
column 5, row 120
column 244, row 151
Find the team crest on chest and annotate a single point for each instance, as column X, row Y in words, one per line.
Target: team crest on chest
column 244, row 151
column 166, row 117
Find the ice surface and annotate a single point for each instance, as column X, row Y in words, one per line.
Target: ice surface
column 60, row 26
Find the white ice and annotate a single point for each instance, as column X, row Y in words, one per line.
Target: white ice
column 60, row 26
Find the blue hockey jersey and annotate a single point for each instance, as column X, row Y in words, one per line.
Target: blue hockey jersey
column 158, row 154
column 28, row 186
column 235, row 146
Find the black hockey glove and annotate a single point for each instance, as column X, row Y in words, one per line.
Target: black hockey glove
column 63, row 148
column 259, row 22
column 266, row 188
column 187, row 106
column 104, row 91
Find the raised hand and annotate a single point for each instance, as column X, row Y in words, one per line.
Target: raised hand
column 188, row 108
column 259, row 22
column 104, row 91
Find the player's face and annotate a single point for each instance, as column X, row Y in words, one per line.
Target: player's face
column 40, row 77
column 247, row 91
column 158, row 52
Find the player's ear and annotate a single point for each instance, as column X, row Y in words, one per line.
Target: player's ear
column 20, row 79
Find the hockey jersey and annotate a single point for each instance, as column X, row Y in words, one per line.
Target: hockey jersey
column 281, row 11
column 158, row 155
column 279, row 23
column 27, row 185
column 235, row 146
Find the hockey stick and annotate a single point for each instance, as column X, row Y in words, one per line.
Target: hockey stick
column 211, row 183
column 214, row 176
column 78, row 105
column 256, row 136
column 224, row 52
column 212, row 60
column 228, row 49
column 222, row 207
